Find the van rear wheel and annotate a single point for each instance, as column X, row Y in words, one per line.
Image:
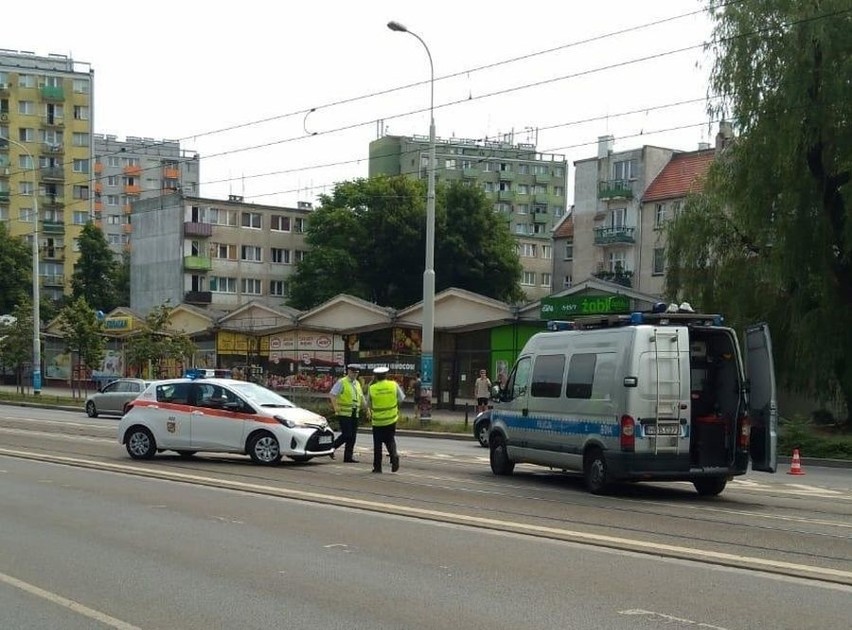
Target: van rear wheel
column 499, row 457
column 595, row 472
column 710, row 486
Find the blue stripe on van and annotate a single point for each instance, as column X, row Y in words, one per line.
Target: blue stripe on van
column 559, row 425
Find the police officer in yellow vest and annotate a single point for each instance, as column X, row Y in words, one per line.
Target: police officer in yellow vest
column 347, row 398
column 383, row 398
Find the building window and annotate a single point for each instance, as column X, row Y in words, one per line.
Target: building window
column 81, row 166
column 26, row 134
column 26, row 80
column 539, row 209
column 488, row 187
column 450, row 165
column 113, row 239
column 545, row 280
column 224, row 251
column 251, row 286
column 521, row 228
column 80, row 217
column 539, row 228
column 522, row 208
column 503, row 207
column 677, row 206
column 540, row 189
column 25, row 215
column 559, row 191
column 523, row 169
column 505, row 186
column 617, row 262
column 299, row 255
column 112, row 200
column 489, row 167
column 223, row 217
column 81, row 112
column 113, row 219
column 527, row 250
column 659, row 215
column 279, row 223
column 625, row 169
column 523, row 189
column 659, row 261
column 112, row 180
column 280, row 255
column 546, row 252
column 541, row 169
column 569, row 249
column 80, row 139
column 278, row 288
column 80, row 192
column 299, row 225
column 220, row 284
column 528, row 279
column 558, row 171
column 26, row 107
column 567, row 282
column 251, row 220
column 113, row 161
column 558, row 211
column 26, row 189
column 80, row 86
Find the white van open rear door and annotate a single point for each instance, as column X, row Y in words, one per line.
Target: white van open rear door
column 762, row 403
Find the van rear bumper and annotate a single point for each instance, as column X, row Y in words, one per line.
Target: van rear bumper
column 669, row 467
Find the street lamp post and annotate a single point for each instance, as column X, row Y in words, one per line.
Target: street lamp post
column 36, row 300
column 428, row 335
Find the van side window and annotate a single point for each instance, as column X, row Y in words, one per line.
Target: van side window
column 581, row 372
column 518, row 380
column 547, row 376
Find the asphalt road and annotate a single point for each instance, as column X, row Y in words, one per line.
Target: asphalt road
column 442, row 543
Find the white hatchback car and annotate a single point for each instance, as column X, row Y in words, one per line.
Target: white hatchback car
column 225, row 416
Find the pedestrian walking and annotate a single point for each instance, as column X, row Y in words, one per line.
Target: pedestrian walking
column 383, row 399
column 347, row 399
column 417, row 392
column 482, row 391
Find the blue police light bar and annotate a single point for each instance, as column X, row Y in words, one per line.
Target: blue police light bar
column 560, row 325
column 637, row 318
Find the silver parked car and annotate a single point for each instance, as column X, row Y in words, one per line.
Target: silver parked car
column 114, row 398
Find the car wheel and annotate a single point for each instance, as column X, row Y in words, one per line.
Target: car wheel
column 91, row 410
column 140, row 443
column 264, row 449
column 710, row 486
column 187, row 454
column 595, row 472
column 482, row 434
column 499, row 457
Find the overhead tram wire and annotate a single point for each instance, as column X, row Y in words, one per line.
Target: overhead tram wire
column 488, row 66
column 491, row 94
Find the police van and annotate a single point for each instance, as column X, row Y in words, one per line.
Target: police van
column 640, row 397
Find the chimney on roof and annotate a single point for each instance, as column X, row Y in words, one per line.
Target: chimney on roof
column 605, row 144
column 725, row 135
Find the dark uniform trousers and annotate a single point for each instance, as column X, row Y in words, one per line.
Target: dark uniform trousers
column 348, row 433
column 384, row 435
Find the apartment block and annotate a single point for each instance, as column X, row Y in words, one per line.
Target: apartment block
column 132, row 169
column 607, row 230
column 46, row 119
column 526, row 187
column 213, row 254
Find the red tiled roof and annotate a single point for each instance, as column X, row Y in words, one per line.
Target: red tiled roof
column 682, row 175
column 565, row 229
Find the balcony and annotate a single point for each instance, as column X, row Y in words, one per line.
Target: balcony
column 505, row 195
column 127, row 228
column 470, row 173
column 4, row 196
column 53, row 173
column 614, row 235
column 542, row 178
column 53, row 122
column 132, row 189
column 56, row 254
column 53, row 281
column 615, row 189
column 127, row 209
column 198, row 297
column 190, row 228
column 53, row 227
column 99, row 168
column 171, row 173
column 5, row 88
column 541, row 198
column 52, row 93
column 197, row 263
column 506, row 176
column 132, row 171
column 52, row 149
column 51, row 201
column 624, row 277
column 99, row 206
column 99, row 188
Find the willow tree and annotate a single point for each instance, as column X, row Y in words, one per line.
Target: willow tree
column 771, row 236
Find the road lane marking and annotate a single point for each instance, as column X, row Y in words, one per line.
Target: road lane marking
column 603, row 540
column 70, row 604
column 667, row 619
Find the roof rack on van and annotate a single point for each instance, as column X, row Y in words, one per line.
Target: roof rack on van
column 633, row 319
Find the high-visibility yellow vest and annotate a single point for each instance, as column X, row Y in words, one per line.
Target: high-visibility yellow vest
column 349, row 399
column 384, row 402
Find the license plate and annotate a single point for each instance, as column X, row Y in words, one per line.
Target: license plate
column 325, row 439
column 662, row 429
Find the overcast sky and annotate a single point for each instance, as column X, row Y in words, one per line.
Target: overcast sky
column 190, row 70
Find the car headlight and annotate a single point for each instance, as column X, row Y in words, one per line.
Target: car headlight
column 285, row 421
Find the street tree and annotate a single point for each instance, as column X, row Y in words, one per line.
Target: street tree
column 16, row 340
column 156, row 345
column 16, row 263
column 96, row 271
column 771, row 236
column 368, row 239
column 83, row 336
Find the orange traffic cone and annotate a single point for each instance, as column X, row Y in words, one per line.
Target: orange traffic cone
column 796, row 464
